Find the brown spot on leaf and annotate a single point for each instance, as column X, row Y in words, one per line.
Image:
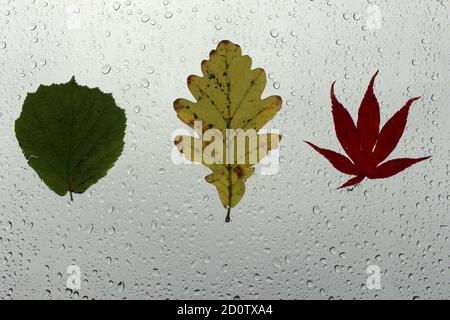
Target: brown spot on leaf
column 190, row 79
column 177, row 105
column 212, row 53
column 178, row 140
column 239, row 171
column 279, row 100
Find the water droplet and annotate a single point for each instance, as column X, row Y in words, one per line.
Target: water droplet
column 317, row 210
column 274, row 33
column 145, row 83
column 106, row 69
column 116, row 5
column 276, row 85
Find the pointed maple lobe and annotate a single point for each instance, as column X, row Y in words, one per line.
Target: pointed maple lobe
column 352, row 182
column 369, row 119
column 392, row 167
column 338, row 161
column 364, row 143
column 392, row 132
column 345, row 128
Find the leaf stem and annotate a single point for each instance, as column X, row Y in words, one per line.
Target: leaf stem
column 71, row 195
column 230, row 190
column 228, row 219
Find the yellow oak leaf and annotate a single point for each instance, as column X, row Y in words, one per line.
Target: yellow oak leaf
column 227, row 117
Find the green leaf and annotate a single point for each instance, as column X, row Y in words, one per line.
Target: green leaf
column 71, row 135
column 228, row 96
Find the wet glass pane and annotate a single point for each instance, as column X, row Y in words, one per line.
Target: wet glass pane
column 154, row 229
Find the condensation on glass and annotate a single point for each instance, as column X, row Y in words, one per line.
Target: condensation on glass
column 152, row 229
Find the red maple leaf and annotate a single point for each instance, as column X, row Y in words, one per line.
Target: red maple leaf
column 364, row 143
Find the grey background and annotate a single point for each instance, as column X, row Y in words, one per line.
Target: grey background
column 151, row 229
